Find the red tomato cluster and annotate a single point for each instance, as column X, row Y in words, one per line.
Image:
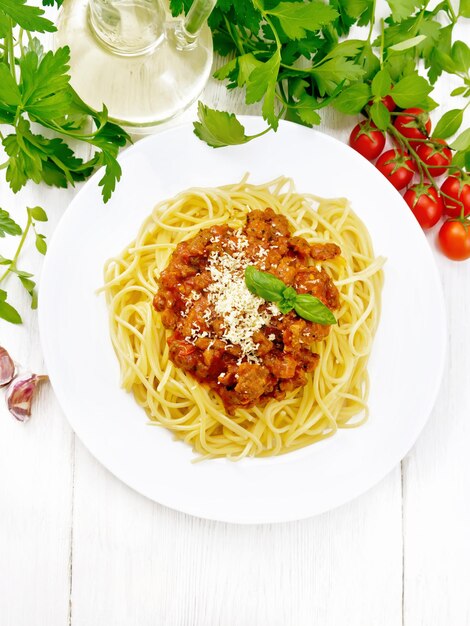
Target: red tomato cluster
column 427, row 204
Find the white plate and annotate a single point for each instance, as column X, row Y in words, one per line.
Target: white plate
column 405, row 368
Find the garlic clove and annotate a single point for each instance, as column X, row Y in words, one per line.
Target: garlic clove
column 7, row 367
column 20, row 395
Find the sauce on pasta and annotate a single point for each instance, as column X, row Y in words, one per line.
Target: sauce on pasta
column 238, row 344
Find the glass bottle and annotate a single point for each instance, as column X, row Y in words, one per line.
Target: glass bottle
column 134, row 57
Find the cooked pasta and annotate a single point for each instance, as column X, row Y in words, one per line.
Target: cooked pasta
column 336, row 393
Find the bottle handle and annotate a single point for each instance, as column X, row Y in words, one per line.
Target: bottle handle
column 189, row 28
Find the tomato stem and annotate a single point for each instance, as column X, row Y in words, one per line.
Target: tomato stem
column 422, row 167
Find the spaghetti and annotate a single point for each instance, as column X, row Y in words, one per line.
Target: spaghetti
column 336, row 393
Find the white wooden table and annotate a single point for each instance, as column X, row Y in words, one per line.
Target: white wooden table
column 79, row 548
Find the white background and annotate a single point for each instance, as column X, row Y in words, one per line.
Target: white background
column 79, row 548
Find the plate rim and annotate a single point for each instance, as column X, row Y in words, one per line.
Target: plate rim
column 175, row 503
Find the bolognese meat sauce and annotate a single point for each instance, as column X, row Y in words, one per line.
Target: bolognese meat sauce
column 235, row 342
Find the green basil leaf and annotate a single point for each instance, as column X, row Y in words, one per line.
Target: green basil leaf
column 289, row 293
column 289, row 296
column 313, row 310
column 285, row 306
column 264, row 284
column 449, row 124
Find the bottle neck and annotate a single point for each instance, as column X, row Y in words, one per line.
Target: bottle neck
column 127, row 27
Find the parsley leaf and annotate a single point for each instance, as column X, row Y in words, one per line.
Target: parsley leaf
column 353, row 99
column 112, row 174
column 44, row 83
column 381, row 84
column 218, row 128
column 380, row 115
column 305, row 109
column 360, row 10
column 460, row 54
column 10, row 96
column 462, row 142
column 464, row 8
column 296, row 19
column 262, row 83
column 262, row 79
column 402, row 9
column 27, row 17
column 449, row 124
column 45, row 95
column 412, row 91
column 333, row 72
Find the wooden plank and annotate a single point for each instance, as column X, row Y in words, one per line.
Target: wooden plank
column 436, row 504
column 137, row 563
column 437, row 483
column 35, row 461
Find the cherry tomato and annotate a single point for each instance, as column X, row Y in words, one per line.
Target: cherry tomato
column 366, row 139
column 397, row 167
column 436, row 155
column 388, row 101
column 413, row 124
column 459, row 190
column 454, row 239
column 426, row 204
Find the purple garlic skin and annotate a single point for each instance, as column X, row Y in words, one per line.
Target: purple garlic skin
column 7, row 367
column 20, row 395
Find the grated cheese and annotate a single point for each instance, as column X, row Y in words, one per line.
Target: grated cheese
column 234, row 302
column 229, row 298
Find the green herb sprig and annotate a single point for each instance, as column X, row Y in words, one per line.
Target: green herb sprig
column 35, row 87
column 10, row 266
column 286, row 298
column 289, row 56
